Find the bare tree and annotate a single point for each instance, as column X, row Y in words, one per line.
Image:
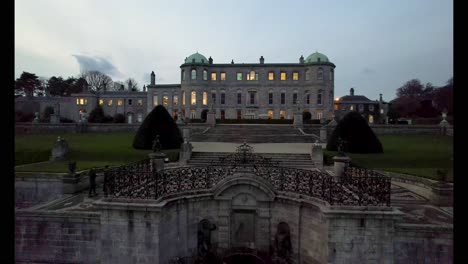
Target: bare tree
column 119, row 86
column 98, row 81
column 132, row 85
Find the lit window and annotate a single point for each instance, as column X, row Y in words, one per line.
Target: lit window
column 283, row 76
column 194, row 74
column 194, row 98
column 213, row 76
column 335, row 107
column 101, row 102
column 130, row 102
column 213, row 97
column 119, row 102
column 193, row 114
column 361, row 108
column 371, row 119
column 205, row 98
column 295, row 76
column 81, row 101
column 320, row 74
column 155, row 100
column 139, row 117
column 271, row 76
column 270, row 114
column 205, row 75
column 165, row 100
column 239, row 76
column 183, row 97
column 223, row 98
column 183, row 75
column 282, row 114
column 239, row 98
column 283, row 98
column 351, row 107
column 319, row 114
column 175, row 99
column 294, row 98
column 270, row 98
column 223, row 76
column 140, row 102
column 319, row 98
column 252, row 76
column 109, row 103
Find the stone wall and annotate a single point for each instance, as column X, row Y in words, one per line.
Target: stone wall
column 423, row 244
column 402, row 130
column 48, row 237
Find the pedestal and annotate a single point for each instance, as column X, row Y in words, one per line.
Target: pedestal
column 323, row 134
column 157, row 161
column 186, row 134
column 341, row 162
column 211, row 118
column 317, row 156
column 444, row 125
column 185, row 151
column 298, row 121
column 54, row 119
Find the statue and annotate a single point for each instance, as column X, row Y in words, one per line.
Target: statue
column 340, row 145
column 204, row 237
column 282, row 245
column 156, row 144
column 71, row 167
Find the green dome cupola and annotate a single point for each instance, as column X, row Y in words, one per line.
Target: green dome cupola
column 316, row 58
column 196, row 58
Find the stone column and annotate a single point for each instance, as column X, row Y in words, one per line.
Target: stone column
column 323, row 134
column 341, row 162
column 211, row 118
column 317, row 156
column 157, row 161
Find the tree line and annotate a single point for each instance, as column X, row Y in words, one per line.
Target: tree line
column 30, row 84
column 417, row 100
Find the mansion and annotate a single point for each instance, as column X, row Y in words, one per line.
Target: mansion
column 234, row 91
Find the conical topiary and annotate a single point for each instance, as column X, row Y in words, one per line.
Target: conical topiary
column 158, row 122
column 358, row 136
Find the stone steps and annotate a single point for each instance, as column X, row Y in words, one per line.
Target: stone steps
column 285, row 160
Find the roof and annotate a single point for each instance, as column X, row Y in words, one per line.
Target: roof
column 316, row 58
column 355, row 99
column 196, row 58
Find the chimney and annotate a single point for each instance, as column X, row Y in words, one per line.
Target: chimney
column 262, row 60
column 351, row 91
column 153, row 78
column 301, row 60
column 144, row 88
column 232, row 61
column 210, row 60
column 381, row 100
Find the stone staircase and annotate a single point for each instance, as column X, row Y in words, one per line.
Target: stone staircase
column 300, row 161
column 254, row 134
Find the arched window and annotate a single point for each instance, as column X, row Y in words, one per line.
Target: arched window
column 239, row 97
column 252, row 76
column 319, row 97
column 194, row 74
column 270, row 97
column 183, row 97
column 320, row 74
column 307, row 98
column 295, row 97
column 193, row 98
column 205, row 75
column 183, row 75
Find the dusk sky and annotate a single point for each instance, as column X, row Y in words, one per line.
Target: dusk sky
column 376, row 45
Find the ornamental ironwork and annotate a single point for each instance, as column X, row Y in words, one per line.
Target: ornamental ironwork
column 358, row 187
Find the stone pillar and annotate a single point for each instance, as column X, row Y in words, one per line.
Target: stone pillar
column 60, row 150
column 157, row 161
column 54, row 119
column 185, row 151
column 298, row 121
column 323, row 134
column 444, row 125
column 341, row 162
column 211, row 118
column 186, row 134
column 317, row 156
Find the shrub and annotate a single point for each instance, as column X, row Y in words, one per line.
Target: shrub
column 306, row 116
column 119, row 118
column 158, row 122
column 359, row 137
column 66, row 120
column 97, row 115
column 108, row 119
column 23, row 117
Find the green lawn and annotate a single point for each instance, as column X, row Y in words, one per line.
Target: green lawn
column 420, row 155
column 88, row 150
